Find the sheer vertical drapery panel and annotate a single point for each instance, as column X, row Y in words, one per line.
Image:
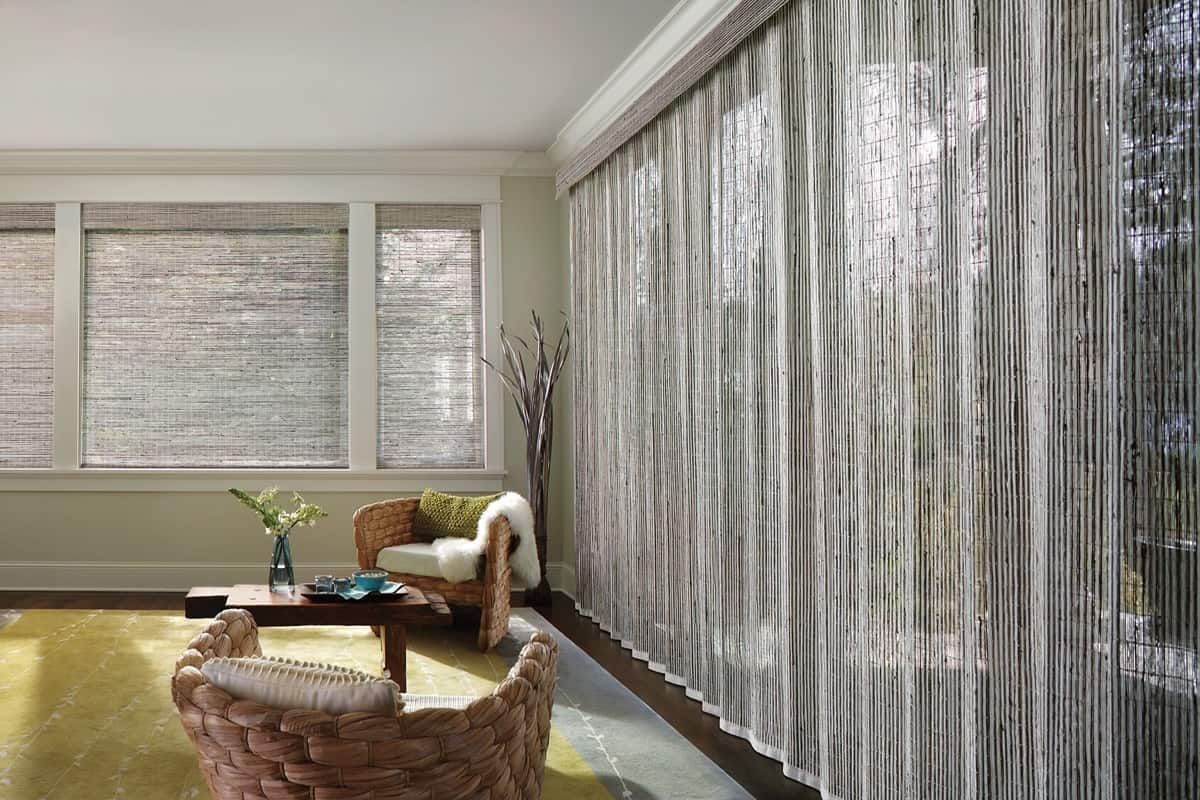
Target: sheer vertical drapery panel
column 682, row 296
column 215, row 335
column 886, row 396
column 428, row 305
column 26, row 335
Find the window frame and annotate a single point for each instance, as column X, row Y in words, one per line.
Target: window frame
column 362, row 474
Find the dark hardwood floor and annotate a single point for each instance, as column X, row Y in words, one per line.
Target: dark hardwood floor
column 123, row 601
column 760, row 776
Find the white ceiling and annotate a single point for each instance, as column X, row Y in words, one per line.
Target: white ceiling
column 306, row 74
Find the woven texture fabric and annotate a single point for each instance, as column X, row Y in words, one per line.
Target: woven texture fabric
column 886, row 397
column 429, row 318
column 392, row 522
column 494, row 748
column 219, row 217
column 440, row 514
column 215, row 336
column 409, row 217
column 26, row 335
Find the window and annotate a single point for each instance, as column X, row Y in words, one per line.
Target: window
column 26, row 335
column 173, row 344
column 428, row 270
column 215, row 335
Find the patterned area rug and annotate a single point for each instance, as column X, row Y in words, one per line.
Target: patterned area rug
column 85, row 707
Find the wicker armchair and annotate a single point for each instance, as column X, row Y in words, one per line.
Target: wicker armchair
column 390, row 523
column 494, row 747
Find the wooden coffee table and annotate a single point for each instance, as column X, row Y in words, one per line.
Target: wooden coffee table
column 286, row 609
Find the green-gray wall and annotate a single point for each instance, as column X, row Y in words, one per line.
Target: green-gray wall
column 129, row 539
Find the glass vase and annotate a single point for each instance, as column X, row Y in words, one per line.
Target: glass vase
column 281, row 575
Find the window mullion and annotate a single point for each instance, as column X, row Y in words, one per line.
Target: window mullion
column 363, row 377
column 68, row 333
column 493, row 391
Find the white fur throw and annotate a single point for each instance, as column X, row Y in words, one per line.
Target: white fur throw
column 457, row 557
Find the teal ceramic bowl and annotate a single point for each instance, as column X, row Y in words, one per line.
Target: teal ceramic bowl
column 369, row 579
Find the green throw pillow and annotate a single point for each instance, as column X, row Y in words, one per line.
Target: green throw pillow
column 439, row 515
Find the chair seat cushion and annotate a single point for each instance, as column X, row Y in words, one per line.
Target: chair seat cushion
column 416, row 702
column 417, row 558
column 287, row 684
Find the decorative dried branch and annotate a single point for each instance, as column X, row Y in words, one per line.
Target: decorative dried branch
column 533, row 395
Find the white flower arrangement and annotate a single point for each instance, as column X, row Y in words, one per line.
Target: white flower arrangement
column 277, row 521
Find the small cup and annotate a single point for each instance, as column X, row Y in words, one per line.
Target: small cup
column 341, row 584
column 323, row 583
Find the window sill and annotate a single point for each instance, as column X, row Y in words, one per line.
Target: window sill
column 218, row 480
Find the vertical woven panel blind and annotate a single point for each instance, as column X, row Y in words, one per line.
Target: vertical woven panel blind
column 428, row 307
column 887, row 401
column 215, row 335
column 26, row 335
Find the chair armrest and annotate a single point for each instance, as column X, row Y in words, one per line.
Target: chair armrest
column 381, row 525
column 497, row 584
column 501, row 543
column 232, row 633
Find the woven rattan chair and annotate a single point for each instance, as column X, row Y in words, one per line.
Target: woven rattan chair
column 491, row 747
column 390, row 523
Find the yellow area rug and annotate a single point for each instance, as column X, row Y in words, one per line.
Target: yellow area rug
column 86, row 712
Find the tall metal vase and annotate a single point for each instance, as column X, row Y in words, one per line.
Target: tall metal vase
column 281, row 575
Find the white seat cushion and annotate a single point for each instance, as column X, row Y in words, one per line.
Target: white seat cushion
column 286, row 685
column 416, row 702
column 417, row 558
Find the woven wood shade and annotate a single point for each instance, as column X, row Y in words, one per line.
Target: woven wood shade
column 429, row 317
column 886, row 397
column 215, row 335
column 26, row 335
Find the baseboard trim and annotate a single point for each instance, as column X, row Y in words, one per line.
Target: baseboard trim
column 144, row 576
column 561, row 577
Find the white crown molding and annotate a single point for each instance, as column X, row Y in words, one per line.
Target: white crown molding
column 274, row 162
column 533, row 165
column 680, row 30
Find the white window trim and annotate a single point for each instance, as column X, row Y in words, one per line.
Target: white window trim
column 363, row 374
column 218, row 480
column 68, row 335
column 361, row 193
column 492, row 303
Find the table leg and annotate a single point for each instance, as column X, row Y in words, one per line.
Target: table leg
column 394, row 656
